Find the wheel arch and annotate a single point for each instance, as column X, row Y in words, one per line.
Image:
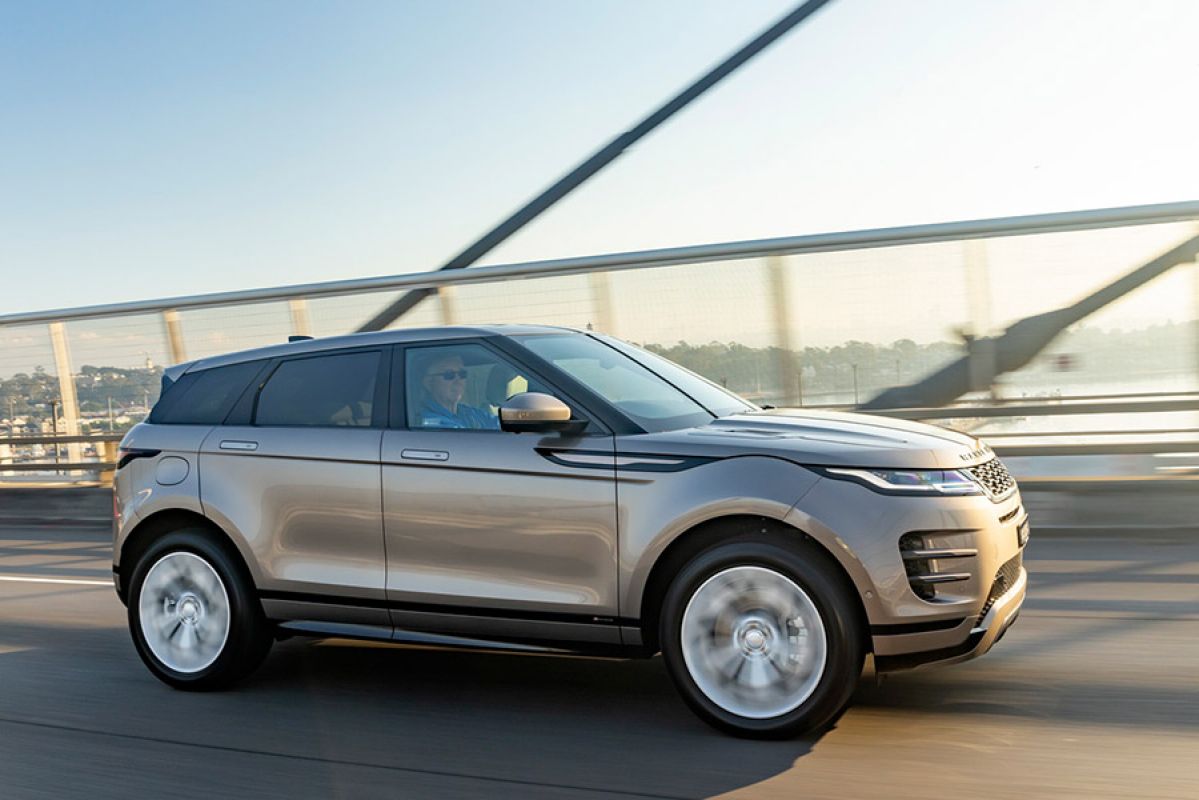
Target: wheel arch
column 711, row 532
column 143, row 535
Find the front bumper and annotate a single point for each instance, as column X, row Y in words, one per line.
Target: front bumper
column 979, row 577
column 980, row 635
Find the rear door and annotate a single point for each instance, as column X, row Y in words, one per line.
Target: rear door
column 299, row 480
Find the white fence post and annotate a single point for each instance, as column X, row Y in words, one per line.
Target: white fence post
column 301, row 323
column 174, row 331
column 66, row 388
column 776, row 272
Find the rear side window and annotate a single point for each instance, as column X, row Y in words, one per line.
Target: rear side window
column 323, row 391
column 204, row 397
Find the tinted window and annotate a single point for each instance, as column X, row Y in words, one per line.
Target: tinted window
column 461, row 386
column 334, row 390
column 204, row 397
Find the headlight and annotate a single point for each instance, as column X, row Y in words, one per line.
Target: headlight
column 910, row 481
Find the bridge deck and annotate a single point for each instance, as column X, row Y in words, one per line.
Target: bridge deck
column 1094, row 693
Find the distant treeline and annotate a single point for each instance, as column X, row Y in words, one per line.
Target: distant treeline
column 1085, row 355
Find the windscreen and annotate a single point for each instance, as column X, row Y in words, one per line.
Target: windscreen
column 715, row 398
column 641, row 393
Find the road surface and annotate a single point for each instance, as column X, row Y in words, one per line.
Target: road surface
column 1094, row 693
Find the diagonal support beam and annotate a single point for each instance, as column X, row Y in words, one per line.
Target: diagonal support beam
column 596, row 162
column 1020, row 343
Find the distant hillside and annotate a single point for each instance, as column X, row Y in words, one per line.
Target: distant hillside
column 1083, row 357
column 1160, row 356
column 29, row 395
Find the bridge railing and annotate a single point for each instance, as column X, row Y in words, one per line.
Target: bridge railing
column 827, row 320
column 1150, row 451
column 48, row 456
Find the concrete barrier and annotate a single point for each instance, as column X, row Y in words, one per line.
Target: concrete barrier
column 1130, row 505
column 90, row 506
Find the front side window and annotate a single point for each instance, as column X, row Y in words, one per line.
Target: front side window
column 323, row 391
column 460, row 386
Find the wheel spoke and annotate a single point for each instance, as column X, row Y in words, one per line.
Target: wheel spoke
column 755, row 675
column 184, row 612
column 753, row 642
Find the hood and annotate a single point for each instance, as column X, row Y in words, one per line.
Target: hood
column 823, row 438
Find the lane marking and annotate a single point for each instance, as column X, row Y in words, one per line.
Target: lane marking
column 70, row 581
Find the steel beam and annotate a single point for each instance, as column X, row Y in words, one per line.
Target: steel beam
column 664, row 257
column 604, row 156
column 1021, row 342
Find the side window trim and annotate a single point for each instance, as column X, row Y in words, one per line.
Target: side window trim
column 380, row 374
column 242, row 411
column 400, row 420
column 381, row 405
column 398, row 407
column 266, row 378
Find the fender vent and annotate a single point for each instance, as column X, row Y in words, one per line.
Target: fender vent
column 928, row 567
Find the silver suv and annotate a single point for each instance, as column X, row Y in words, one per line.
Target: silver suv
column 547, row 489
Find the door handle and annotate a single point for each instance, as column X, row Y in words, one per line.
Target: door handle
column 425, row 455
column 234, row 444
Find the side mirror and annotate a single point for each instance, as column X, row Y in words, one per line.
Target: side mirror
column 533, row 412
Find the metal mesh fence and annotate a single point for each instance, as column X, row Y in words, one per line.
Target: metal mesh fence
column 827, row 328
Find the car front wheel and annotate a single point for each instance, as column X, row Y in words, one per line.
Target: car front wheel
column 760, row 640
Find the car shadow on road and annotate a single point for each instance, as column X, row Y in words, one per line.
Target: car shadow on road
column 351, row 716
column 512, row 721
column 609, row 724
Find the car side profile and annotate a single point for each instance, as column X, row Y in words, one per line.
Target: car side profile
column 547, row 489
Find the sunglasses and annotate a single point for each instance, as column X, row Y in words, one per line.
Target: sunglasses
column 449, row 374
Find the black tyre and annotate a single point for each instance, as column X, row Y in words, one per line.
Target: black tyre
column 195, row 619
column 761, row 637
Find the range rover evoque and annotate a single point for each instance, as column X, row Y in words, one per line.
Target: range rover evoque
column 555, row 490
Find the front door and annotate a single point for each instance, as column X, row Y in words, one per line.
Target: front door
column 492, row 533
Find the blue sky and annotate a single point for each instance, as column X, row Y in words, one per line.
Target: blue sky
column 153, row 149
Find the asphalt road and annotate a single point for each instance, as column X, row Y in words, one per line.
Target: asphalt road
column 1094, row 693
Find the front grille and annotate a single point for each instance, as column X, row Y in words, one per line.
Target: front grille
column 994, row 477
column 1005, row 579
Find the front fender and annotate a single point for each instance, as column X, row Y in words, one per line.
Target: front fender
column 656, row 508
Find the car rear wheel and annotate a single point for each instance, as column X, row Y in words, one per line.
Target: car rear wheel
column 193, row 615
column 760, row 639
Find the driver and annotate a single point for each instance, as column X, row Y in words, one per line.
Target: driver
column 443, row 380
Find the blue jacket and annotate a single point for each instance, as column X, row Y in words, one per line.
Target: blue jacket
column 434, row 415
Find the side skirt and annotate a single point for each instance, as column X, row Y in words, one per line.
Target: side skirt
column 320, row 628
